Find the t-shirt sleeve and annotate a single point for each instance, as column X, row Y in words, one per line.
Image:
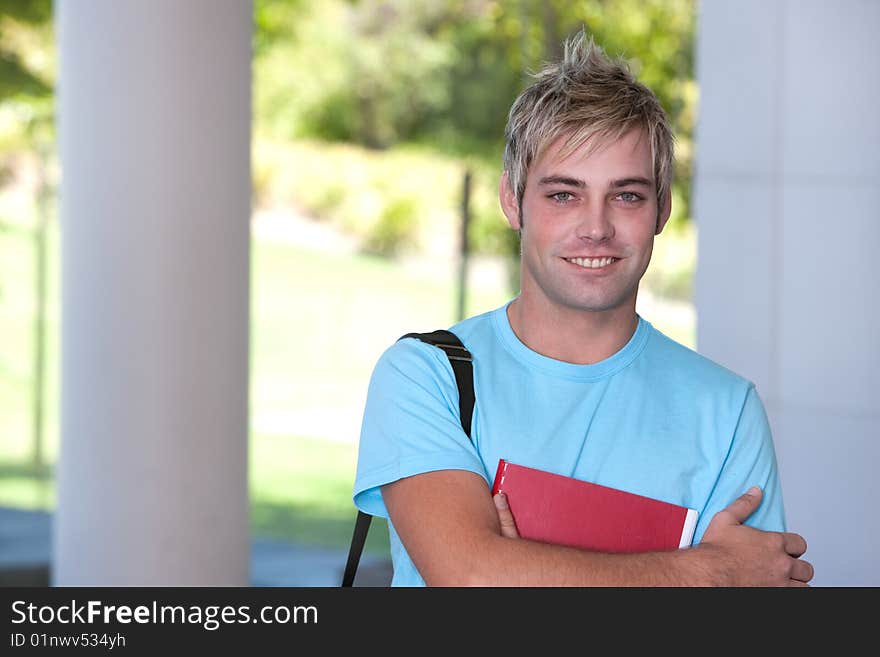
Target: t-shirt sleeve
column 411, row 423
column 751, row 461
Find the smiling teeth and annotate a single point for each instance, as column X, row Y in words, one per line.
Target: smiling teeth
column 592, row 263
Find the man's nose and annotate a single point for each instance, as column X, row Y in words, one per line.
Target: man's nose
column 595, row 225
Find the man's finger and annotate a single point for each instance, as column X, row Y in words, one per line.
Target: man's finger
column 508, row 526
column 795, row 545
column 802, row 571
column 743, row 506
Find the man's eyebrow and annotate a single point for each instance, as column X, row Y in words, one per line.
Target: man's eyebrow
column 635, row 180
column 562, row 180
column 577, row 182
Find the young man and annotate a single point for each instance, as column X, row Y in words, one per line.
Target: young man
column 568, row 378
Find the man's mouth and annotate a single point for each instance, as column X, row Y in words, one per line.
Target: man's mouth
column 592, row 263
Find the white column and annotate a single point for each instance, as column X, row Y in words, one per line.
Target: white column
column 154, row 108
column 787, row 175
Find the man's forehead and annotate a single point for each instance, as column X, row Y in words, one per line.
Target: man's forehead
column 631, row 150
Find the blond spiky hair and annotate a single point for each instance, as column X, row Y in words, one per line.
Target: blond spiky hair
column 585, row 95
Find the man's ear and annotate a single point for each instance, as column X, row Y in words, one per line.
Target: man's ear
column 509, row 204
column 663, row 214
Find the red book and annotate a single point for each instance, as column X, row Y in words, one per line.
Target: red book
column 553, row 508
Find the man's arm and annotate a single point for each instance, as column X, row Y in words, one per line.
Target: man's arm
column 452, row 530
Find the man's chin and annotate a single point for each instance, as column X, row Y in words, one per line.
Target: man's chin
column 597, row 305
column 600, row 303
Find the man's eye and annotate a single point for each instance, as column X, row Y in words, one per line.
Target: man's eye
column 629, row 197
column 562, row 197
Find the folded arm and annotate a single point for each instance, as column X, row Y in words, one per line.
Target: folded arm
column 452, row 531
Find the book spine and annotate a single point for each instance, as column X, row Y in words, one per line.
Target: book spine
column 499, row 476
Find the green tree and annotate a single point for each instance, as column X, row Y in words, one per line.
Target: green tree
column 27, row 76
column 17, row 77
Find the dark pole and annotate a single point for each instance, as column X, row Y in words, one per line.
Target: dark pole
column 464, row 245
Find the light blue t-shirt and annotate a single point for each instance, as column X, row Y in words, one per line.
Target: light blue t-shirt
column 656, row 419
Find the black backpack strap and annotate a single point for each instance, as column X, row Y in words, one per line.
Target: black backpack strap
column 361, row 527
column 462, row 367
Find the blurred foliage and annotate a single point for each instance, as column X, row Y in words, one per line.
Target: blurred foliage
column 395, row 228
column 19, row 76
column 395, row 202
column 443, row 74
column 380, row 71
column 27, row 80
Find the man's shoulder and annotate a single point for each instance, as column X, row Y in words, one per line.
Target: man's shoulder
column 473, row 332
column 412, row 354
column 477, row 327
column 678, row 359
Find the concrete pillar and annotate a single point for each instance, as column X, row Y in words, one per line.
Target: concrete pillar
column 787, row 174
column 154, row 109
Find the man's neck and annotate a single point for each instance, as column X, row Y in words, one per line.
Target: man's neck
column 572, row 335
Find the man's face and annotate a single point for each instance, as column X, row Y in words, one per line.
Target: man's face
column 588, row 224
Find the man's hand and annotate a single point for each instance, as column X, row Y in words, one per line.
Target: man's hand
column 734, row 554
column 745, row 556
